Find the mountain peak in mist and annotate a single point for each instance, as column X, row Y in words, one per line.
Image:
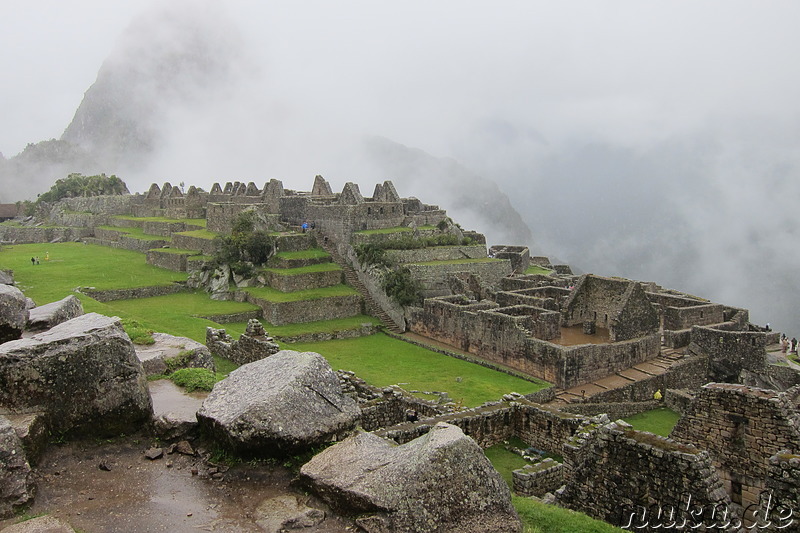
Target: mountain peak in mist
column 173, row 55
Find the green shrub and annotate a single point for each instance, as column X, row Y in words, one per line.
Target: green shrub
column 179, row 361
column 371, row 254
column 193, row 379
column 137, row 332
column 399, row 284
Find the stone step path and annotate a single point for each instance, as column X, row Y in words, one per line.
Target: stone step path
column 351, row 278
column 646, row 370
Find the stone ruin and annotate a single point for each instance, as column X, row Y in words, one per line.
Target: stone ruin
column 254, row 344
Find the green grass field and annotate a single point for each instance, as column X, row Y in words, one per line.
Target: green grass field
column 178, row 314
column 659, row 421
column 72, row 265
column 536, row 269
column 383, row 361
column 137, row 233
column 193, row 221
column 542, row 518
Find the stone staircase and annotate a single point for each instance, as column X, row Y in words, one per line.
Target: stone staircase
column 646, row 370
column 351, row 278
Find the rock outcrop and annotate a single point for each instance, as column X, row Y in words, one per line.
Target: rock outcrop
column 40, row 524
column 169, row 353
column 16, row 480
column 13, row 313
column 439, row 482
column 6, row 277
column 283, row 404
column 52, row 314
column 83, row 374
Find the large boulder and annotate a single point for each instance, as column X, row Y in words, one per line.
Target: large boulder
column 6, row 277
column 281, row 405
column 439, row 482
column 13, row 312
column 49, row 315
column 16, row 480
column 169, row 353
column 83, row 374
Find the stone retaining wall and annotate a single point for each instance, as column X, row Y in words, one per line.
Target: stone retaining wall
column 434, row 277
column 186, row 242
column 614, row 410
column 688, row 373
column 383, row 238
column 33, row 235
column 364, row 330
column 169, row 260
column 299, row 282
column 616, row 472
column 282, row 313
column 436, row 253
column 539, row 479
column 538, row 426
column 129, row 294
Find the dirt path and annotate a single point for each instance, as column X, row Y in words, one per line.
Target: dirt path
column 176, row 493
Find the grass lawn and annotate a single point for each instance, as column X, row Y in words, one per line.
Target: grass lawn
column 505, row 461
column 536, row 269
column 382, row 361
column 74, row 264
column 542, row 518
column 194, row 221
column 177, row 314
column 321, row 326
column 659, row 421
column 274, row 295
column 137, row 233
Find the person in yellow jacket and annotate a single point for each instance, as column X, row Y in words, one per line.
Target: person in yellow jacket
column 657, row 395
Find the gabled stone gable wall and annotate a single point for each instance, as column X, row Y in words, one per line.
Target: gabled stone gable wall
column 637, row 318
column 741, row 427
column 616, row 471
column 729, row 352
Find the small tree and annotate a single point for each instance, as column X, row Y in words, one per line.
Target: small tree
column 400, row 285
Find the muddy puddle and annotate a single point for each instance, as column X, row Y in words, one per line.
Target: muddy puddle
column 176, row 493
column 169, row 398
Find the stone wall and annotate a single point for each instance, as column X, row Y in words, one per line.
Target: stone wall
column 783, row 485
column 436, row 253
column 282, row 313
column 621, row 476
column 364, row 330
column 741, row 427
column 253, row 345
column 614, row 410
column 434, row 277
column 500, row 338
column 538, row 426
column 33, row 235
column 676, row 318
column 169, row 259
column 289, row 282
column 135, row 293
column 538, row 479
column 383, row 238
column 730, row 352
column 100, row 205
column 690, row 373
column 187, row 242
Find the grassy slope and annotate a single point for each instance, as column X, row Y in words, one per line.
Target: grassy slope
column 541, row 518
column 536, row 269
column 382, row 361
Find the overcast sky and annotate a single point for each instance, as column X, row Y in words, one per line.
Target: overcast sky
column 658, row 140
